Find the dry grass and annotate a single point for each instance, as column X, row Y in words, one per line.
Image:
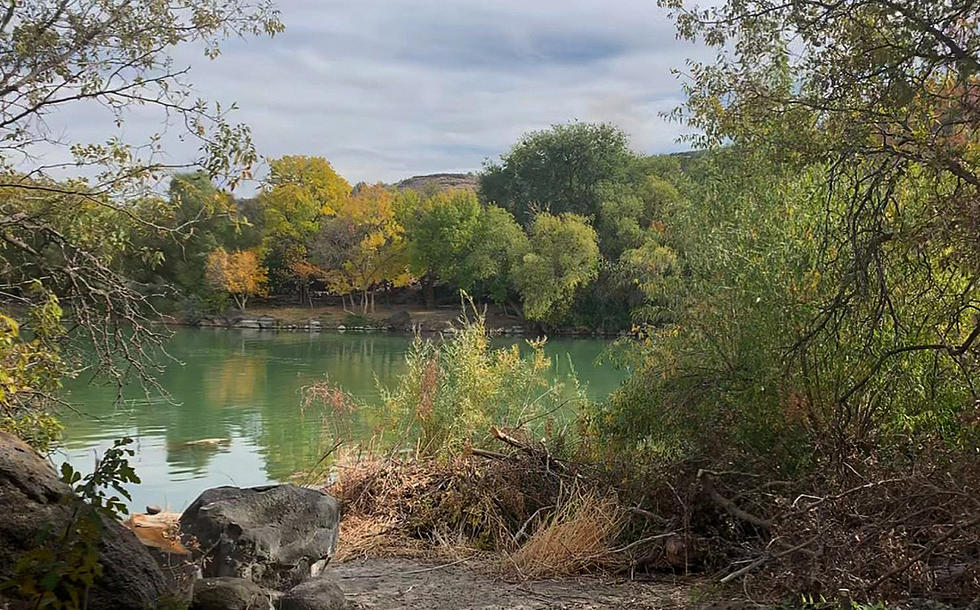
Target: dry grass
column 576, row 538
column 472, row 505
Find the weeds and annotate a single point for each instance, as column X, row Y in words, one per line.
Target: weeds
column 456, row 391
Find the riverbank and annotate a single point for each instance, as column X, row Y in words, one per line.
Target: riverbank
column 385, row 318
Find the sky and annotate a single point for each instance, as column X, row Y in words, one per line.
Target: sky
column 387, row 89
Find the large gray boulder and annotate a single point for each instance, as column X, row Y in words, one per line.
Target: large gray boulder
column 321, row 593
column 229, row 593
column 34, row 503
column 276, row 536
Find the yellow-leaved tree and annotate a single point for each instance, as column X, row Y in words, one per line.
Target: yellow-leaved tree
column 238, row 273
column 363, row 247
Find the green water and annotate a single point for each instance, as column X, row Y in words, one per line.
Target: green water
column 242, row 390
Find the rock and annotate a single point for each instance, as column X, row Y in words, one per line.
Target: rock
column 226, row 593
column 274, row 535
column 440, row 182
column 153, row 509
column 267, row 322
column 247, row 323
column 32, row 501
column 321, row 593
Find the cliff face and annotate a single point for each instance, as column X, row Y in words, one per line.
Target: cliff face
column 439, row 182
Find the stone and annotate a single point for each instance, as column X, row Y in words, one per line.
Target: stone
column 275, row 535
column 33, row 500
column 153, row 509
column 321, row 593
column 267, row 322
column 227, row 593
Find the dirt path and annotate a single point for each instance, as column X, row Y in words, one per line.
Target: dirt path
column 387, row 584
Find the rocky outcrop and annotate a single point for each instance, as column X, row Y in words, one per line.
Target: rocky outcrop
column 440, row 182
column 321, row 593
column 228, row 593
column 276, row 536
column 33, row 501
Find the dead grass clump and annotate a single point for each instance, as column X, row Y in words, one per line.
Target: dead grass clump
column 448, row 507
column 577, row 537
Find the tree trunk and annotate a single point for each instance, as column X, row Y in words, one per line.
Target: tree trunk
column 428, row 291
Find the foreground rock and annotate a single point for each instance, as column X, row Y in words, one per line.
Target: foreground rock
column 228, row 593
column 276, row 536
column 31, row 502
column 321, row 593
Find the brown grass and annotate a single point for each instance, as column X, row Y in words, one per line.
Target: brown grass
column 576, row 538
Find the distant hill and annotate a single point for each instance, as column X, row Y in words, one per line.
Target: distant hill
column 431, row 183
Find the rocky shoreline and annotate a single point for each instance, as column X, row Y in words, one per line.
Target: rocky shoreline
column 233, row 548
column 399, row 322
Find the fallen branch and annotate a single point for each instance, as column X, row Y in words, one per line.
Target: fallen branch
column 493, row 455
column 705, row 478
column 764, row 558
column 636, row 510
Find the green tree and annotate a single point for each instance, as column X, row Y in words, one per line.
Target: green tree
column 563, row 257
column 559, row 170
column 496, row 250
column 210, row 220
column 440, row 233
column 876, row 103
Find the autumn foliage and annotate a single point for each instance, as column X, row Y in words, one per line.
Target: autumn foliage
column 238, row 273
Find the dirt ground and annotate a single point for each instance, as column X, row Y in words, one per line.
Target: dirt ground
column 389, row 584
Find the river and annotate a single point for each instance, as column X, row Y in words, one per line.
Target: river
column 239, row 392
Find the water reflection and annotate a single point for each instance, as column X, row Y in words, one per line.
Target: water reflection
column 234, row 414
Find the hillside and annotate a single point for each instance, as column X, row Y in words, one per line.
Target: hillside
column 439, row 182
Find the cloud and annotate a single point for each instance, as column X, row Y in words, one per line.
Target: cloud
column 388, row 89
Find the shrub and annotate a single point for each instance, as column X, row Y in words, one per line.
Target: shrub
column 456, row 391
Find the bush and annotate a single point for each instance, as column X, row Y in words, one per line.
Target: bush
column 456, row 391
column 780, row 346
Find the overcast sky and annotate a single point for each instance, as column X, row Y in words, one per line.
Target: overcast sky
column 386, row 89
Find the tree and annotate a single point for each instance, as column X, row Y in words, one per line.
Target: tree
column 496, row 249
column 113, row 55
column 558, row 170
column 881, row 98
column 238, row 273
column 299, row 191
column 563, row 256
column 364, row 247
column 299, row 194
column 440, row 233
column 209, row 219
